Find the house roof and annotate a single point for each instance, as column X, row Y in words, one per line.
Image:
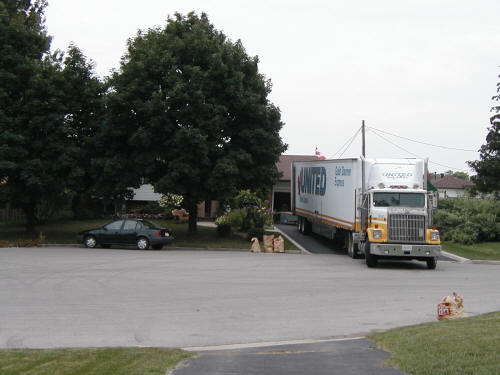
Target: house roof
column 285, row 164
column 451, row 182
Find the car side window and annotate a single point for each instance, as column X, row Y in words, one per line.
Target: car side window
column 129, row 225
column 115, row 225
column 139, row 226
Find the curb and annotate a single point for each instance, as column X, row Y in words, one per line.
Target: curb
column 302, row 249
column 455, row 257
column 174, row 248
column 266, row 344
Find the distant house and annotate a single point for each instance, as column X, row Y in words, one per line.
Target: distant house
column 451, row 187
column 281, row 192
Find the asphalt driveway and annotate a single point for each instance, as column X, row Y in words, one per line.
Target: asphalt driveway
column 346, row 357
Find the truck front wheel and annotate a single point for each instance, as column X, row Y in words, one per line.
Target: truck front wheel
column 431, row 263
column 371, row 260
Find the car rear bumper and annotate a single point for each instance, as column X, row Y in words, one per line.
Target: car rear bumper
column 161, row 240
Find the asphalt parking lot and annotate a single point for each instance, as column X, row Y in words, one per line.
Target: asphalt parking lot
column 78, row 297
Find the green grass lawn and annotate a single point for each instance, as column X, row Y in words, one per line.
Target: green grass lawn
column 483, row 251
column 64, row 231
column 102, row 361
column 462, row 347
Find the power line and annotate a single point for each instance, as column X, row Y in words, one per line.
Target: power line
column 424, row 143
column 349, row 145
column 349, row 142
column 411, row 153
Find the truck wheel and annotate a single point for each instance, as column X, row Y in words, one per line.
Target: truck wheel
column 371, row 260
column 301, row 225
column 307, row 227
column 431, row 263
column 351, row 246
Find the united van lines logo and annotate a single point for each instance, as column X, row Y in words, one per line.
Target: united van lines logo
column 312, row 180
column 398, row 175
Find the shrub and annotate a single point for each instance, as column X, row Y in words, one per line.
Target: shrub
column 255, row 232
column 246, row 198
column 30, row 243
column 223, row 226
column 468, row 220
column 236, row 218
column 250, row 215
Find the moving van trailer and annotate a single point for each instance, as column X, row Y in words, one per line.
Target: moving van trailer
column 384, row 212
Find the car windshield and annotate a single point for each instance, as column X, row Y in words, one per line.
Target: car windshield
column 149, row 224
column 398, row 200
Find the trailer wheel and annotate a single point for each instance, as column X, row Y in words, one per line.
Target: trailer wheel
column 371, row 260
column 307, row 227
column 431, row 263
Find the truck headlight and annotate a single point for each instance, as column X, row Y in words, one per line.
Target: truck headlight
column 377, row 234
column 434, row 235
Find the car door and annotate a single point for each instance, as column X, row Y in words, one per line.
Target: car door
column 128, row 232
column 111, row 232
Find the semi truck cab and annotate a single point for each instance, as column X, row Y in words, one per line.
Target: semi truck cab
column 399, row 225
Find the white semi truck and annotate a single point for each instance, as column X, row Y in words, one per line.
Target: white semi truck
column 381, row 207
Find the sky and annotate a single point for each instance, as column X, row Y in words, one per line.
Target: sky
column 413, row 70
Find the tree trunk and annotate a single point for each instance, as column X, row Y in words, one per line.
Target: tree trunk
column 193, row 218
column 29, row 211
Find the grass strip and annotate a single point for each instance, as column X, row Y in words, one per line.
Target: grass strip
column 90, row 361
column 480, row 251
column 469, row 346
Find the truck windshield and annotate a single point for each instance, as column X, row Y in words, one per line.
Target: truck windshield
column 398, row 200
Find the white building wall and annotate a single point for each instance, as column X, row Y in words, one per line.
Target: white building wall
column 146, row 193
column 451, row 193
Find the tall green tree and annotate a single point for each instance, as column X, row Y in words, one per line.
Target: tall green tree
column 84, row 115
column 487, row 168
column 194, row 109
column 35, row 160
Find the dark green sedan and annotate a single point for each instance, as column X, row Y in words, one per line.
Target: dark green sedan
column 138, row 232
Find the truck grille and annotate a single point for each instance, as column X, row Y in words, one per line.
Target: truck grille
column 406, row 228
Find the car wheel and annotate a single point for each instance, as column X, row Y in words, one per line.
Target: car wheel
column 90, row 241
column 431, row 263
column 142, row 243
column 157, row 247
